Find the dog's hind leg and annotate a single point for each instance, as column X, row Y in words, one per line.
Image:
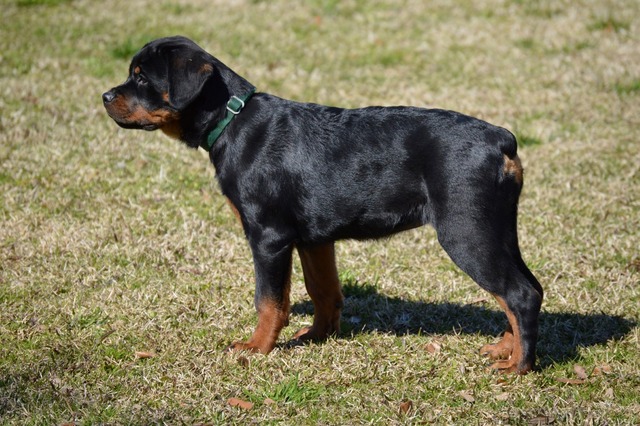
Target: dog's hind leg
column 480, row 236
column 519, row 294
column 504, row 348
column 323, row 286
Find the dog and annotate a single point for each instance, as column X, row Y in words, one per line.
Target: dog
column 302, row 175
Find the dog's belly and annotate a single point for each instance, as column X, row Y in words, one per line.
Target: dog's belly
column 377, row 226
column 354, row 218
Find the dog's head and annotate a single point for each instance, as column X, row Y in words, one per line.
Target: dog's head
column 165, row 78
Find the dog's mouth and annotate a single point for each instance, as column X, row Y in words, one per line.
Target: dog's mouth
column 147, row 127
column 127, row 123
column 133, row 125
column 150, row 127
column 137, row 117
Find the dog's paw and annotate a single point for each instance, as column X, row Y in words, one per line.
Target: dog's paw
column 510, row 366
column 314, row 333
column 307, row 334
column 248, row 347
column 496, row 351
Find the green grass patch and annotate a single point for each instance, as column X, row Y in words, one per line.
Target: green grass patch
column 126, row 48
column 525, row 139
column 352, row 287
column 27, row 3
column 526, row 43
column 289, row 390
column 609, row 24
column 628, row 88
column 544, row 10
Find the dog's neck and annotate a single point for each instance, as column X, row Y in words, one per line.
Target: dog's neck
column 235, row 104
column 200, row 121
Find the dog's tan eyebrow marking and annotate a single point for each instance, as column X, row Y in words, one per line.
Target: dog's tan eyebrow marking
column 137, row 70
column 206, row 68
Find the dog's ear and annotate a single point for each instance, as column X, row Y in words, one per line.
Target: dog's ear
column 187, row 74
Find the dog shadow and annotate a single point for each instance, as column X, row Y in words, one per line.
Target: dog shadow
column 561, row 335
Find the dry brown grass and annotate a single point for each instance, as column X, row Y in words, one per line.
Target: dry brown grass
column 116, row 242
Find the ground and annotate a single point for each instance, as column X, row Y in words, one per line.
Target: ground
column 124, row 275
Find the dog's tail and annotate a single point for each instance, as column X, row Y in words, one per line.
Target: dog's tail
column 512, row 166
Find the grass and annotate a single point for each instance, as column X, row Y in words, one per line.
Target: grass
column 123, row 275
column 628, row 88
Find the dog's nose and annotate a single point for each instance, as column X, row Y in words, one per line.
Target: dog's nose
column 108, row 97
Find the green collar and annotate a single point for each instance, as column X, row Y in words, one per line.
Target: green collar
column 234, row 106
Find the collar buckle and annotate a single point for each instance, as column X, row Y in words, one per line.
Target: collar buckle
column 235, row 105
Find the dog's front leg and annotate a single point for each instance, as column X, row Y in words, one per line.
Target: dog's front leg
column 273, row 283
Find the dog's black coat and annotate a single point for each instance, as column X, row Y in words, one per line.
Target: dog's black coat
column 305, row 175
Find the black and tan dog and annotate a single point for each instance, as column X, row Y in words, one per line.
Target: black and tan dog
column 304, row 175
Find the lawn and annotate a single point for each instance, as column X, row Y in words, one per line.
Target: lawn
column 124, row 275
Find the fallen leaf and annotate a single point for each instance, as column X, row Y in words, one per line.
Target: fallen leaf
column 56, row 383
column 503, row 396
column 502, row 380
column 572, row 381
column 243, row 361
column 405, row 407
column 580, row 372
column 479, row 300
column 603, row 369
column 541, row 420
column 268, row 401
column 433, row 347
column 608, row 393
column 144, row 355
column 467, row 396
column 236, row 402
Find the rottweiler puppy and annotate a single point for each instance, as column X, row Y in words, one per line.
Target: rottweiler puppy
column 302, row 175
